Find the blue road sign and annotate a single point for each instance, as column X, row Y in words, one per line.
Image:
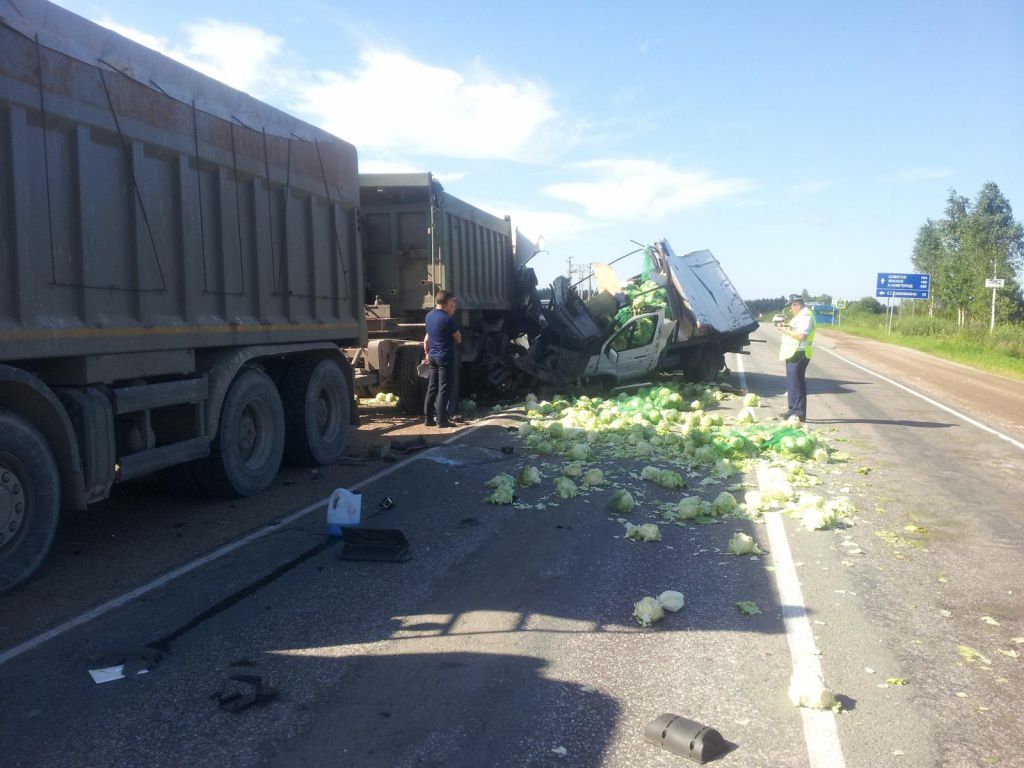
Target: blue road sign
column 901, row 285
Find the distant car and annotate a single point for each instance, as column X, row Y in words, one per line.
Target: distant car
column 779, row 319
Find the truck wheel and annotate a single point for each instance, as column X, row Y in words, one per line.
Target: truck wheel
column 316, row 412
column 29, row 500
column 411, row 388
column 246, row 454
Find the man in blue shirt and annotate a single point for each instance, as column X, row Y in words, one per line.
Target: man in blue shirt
column 439, row 352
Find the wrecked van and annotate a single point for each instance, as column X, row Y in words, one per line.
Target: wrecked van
column 682, row 313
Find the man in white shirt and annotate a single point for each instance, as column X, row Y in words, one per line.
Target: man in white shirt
column 796, row 350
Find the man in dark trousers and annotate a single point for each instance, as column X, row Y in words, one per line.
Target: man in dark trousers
column 439, row 352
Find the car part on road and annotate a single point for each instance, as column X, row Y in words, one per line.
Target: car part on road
column 243, row 691
column 686, row 738
column 384, row 545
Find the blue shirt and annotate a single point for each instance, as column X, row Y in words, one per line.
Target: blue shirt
column 440, row 328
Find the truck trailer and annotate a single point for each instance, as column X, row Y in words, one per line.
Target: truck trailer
column 179, row 270
column 418, row 238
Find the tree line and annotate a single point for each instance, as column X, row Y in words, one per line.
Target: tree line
column 975, row 240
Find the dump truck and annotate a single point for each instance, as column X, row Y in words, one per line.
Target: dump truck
column 681, row 314
column 418, row 238
column 179, row 272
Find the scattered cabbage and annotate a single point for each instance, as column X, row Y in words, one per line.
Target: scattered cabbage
column 807, row 689
column 593, row 477
column 689, row 508
column 750, row 400
column 746, row 416
column 467, row 405
column 499, row 480
column 529, row 476
column 525, row 429
column 502, row 495
column 666, row 478
column 742, row 544
column 622, row 501
column 579, row 452
column 645, row 532
column 572, row 470
column 671, row 600
column 724, row 504
column 821, row 455
column 565, row 488
column 748, row 608
column 648, row 611
column 386, row 397
column 722, row 468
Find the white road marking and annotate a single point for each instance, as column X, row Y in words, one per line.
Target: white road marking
column 820, row 734
column 927, row 399
column 117, row 602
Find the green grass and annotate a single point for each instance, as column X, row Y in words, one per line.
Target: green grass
column 1001, row 351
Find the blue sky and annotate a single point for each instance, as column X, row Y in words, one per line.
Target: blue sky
column 803, row 143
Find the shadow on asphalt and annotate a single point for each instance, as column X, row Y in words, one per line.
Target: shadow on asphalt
column 886, row 423
column 771, row 385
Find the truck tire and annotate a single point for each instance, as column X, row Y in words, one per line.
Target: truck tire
column 246, row 453
column 29, row 499
column 412, row 390
column 316, row 412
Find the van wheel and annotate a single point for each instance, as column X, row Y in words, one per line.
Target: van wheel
column 29, row 500
column 316, row 412
column 246, row 454
column 706, row 365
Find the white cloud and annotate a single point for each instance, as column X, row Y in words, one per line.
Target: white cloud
column 630, row 190
column 912, row 175
column 394, row 102
column 238, row 55
column 807, row 188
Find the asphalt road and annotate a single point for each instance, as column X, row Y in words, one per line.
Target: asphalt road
column 507, row 638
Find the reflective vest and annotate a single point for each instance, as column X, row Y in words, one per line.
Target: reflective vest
column 803, row 321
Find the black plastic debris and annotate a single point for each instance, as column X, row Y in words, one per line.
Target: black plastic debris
column 508, row 450
column 243, row 691
column 384, row 545
column 410, row 445
column 386, row 503
column 685, row 737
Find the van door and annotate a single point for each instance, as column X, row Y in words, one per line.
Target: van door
column 634, row 350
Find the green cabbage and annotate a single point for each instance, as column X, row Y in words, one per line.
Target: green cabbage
column 666, row 478
column 529, row 476
column 742, row 544
column 647, row 611
column 572, row 470
column 724, row 504
column 750, row 400
column 565, row 488
column 748, row 608
column 502, row 495
column 499, row 480
column 645, row 532
column 671, row 600
column 593, row 477
column 622, row 501
column 690, row 507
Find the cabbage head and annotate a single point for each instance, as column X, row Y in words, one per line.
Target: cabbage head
column 671, row 600
column 565, row 488
column 502, row 495
column 645, row 532
column 622, row 501
column 742, row 544
column 529, row 476
column 499, row 480
column 647, row 611
column 724, row 504
column 593, row 477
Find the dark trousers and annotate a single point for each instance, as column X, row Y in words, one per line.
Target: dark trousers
column 796, row 384
column 439, row 389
